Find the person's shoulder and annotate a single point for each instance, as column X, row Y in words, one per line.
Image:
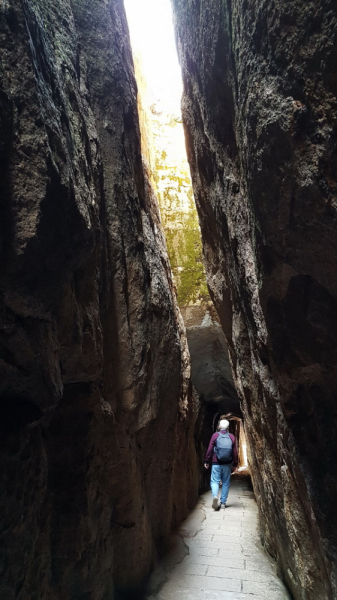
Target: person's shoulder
column 215, row 435
column 232, row 437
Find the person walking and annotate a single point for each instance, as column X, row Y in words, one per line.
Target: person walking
column 222, row 453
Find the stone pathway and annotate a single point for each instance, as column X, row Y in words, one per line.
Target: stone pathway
column 221, row 557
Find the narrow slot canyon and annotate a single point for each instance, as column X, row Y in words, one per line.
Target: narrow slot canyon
column 168, row 203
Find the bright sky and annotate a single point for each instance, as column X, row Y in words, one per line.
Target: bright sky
column 152, row 39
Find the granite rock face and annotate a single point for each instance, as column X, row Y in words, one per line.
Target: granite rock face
column 96, row 447
column 259, row 111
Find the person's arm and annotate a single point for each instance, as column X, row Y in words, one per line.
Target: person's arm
column 210, row 448
column 235, row 452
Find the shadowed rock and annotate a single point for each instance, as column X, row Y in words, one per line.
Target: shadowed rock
column 97, row 454
column 210, row 373
column 210, row 369
column 259, row 111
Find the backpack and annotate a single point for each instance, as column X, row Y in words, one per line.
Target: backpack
column 224, row 448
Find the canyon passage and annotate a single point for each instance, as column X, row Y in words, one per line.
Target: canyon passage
column 117, row 359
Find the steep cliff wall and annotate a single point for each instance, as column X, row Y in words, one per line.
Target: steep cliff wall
column 163, row 147
column 259, row 110
column 96, row 446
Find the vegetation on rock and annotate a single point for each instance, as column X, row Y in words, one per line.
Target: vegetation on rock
column 163, row 147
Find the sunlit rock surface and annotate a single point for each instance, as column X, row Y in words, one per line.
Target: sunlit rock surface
column 163, row 147
column 259, row 111
column 96, row 446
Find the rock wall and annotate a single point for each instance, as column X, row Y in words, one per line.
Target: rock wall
column 163, row 147
column 259, row 110
column 96, row 447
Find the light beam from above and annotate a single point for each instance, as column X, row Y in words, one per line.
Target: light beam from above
column 152, row 38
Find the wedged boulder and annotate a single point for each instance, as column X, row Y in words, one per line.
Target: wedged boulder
column 210, row 367
column 259, row 111
column 96, row 413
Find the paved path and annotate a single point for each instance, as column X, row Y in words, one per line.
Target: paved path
column 221, row 557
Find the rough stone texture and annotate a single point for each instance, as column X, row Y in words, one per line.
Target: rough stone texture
column 96, row 446
column 259, row 112
column 210, row 368
column 164, row 150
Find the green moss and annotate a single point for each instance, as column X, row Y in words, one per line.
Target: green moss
column 185, row 252
column 179, row 217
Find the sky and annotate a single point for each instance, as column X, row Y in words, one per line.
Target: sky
column 152, row 39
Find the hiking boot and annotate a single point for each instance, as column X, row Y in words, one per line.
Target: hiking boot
column 222, row 505
column 215, row 503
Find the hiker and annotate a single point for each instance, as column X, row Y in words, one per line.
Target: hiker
column 223, row 454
